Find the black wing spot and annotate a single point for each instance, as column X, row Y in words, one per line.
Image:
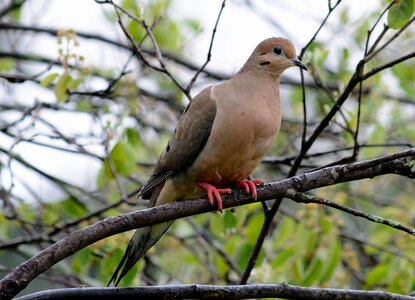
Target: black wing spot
column 168, row 148
column 265, row 63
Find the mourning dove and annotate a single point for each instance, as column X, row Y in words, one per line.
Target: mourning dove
column 220, row 139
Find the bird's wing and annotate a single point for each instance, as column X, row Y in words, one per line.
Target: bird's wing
column 187, row 141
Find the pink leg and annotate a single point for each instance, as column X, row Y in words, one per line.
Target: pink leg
column 249, row 185
column 213, row 191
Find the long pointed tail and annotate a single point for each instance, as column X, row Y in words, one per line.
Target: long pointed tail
column 142, row 240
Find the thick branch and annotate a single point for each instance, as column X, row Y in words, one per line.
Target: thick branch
column 197, row 291
column 20, row 277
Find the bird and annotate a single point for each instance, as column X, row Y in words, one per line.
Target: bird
column 220, row 139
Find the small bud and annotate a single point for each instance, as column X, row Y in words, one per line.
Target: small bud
column 86, row 70
column 61, row 32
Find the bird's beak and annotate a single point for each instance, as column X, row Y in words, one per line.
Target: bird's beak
column 298, row 63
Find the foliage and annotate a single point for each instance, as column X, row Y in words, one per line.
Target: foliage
column 132, row 117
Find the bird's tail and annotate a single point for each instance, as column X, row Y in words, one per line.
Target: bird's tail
column 142, row 240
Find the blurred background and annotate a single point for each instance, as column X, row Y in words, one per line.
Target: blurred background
column 83, row 120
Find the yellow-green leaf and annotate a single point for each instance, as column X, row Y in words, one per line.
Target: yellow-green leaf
column 399, row 14
column 123, row 158
column 282, row 257
column 61, row 87
column 331, row 262
column 48, row 79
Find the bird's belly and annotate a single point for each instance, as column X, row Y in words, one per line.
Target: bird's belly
column 232, row 160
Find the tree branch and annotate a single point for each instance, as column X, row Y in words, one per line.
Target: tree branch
column 171, row 56
column 304, row 198
column 198, row 291
column 19, row 278
column 209, row 54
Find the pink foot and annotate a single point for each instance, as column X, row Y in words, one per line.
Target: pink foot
column 213, row 191
column 249, row 185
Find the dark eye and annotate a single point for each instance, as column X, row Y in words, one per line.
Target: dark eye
column 278, row 50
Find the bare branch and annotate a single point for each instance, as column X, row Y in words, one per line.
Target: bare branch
column 171, row 56
column 399, row 163
column 304, row 198
column 388, row 65
column 198, row 291
column 209, row 54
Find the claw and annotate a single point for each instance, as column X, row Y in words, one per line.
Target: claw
column 249, row 185
column 213, row 191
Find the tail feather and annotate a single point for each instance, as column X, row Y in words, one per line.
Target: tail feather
column 142, row 240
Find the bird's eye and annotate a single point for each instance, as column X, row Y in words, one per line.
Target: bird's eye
column 278, row 50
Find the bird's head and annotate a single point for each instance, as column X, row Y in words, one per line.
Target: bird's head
column 274, row 55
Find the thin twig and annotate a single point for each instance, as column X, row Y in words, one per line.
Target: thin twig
column 306, row 198
column 139, row 53
column 374, row 53
column 209, row 54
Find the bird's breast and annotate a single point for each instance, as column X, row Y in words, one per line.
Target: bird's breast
column 242, row 134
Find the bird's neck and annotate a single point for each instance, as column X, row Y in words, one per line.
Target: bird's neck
column 254, row 78
column 257, row 89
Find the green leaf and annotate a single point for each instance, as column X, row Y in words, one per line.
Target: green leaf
column 48, row 79
column 229, row 220
column 406, row 76
column 221, row 266
column 377, row 275
column 400, row 14
column 61, row 87
column 216, row 224
column 379, row 135
column 332, row 260
column 361, row 31
column 130, row 276
column 313, row 271
column 84, row 105
column 254, row 228
column 282, row 257
column 73, row 85
column 325, row 224
column 72, row 208
column 285, row 232
column 396, row 285
column 102, row 178
column 244, row 256
column 123, row 158
column 298, row 269
column 301, row 236
column 194, row 24
column 84, row 255
column 133, row 137
column 27, row 212
column 6, row 64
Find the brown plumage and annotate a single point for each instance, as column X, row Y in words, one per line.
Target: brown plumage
column 220, row 139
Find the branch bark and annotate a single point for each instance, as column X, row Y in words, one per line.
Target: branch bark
column 198, row 291
column 401, row 163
